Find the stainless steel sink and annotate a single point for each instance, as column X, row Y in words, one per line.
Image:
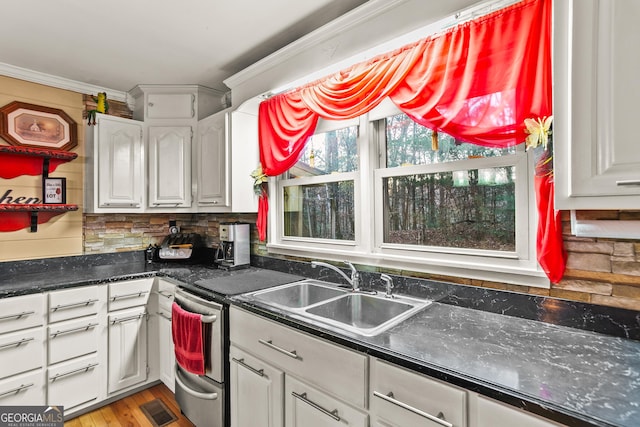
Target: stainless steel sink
column 299, row 294
column 325, row 304
column 365, row 314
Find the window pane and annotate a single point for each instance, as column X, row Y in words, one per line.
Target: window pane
column 409, row 143
column 329, row 152
column 323, row 211
column 461, row 209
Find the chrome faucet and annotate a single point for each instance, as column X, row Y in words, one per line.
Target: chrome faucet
column 388, row 281
column 354, row 280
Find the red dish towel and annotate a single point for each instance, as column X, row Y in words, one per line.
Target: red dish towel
column 186, row 329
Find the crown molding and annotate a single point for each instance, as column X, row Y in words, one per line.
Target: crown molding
column 59, row 82
column 363, row 13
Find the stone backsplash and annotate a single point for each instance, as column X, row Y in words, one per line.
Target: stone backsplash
column 599, row 271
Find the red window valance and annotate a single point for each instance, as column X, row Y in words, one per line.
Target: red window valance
column 477, row 81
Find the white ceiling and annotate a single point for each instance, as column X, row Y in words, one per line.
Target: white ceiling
column 117, row 44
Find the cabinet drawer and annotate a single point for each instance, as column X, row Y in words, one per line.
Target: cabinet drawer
column 21, row 312
column 21, row 351
column 24, row 389
column 491, row 413
column 399, row 394
column 305, row 405
column 74, row 382
column 171, row 106
column 329, row 366
column 127, row 294
column 72, row 338
column 72, row 303
column 166, row 292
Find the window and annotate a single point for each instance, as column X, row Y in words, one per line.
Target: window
column 374, row 191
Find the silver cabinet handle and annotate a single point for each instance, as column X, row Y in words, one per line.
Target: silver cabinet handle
column 628, row 182
column 75, row 371
column 17, row 316
column 124, row 319
column 120, row 205
column 16, row 343
column 69, row 331
column 17, row 389
column 165, row 294
column 270, row 344
column 439, row 419
column 333, row 414
column 213, row 202
column 252, row 369
column 159, row 313
column 74, row 304
column 185, row 388
column 131, row 295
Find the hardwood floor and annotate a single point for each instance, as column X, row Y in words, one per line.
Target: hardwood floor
column 126, row 412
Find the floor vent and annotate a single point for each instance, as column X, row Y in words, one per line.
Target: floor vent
column 158, row 413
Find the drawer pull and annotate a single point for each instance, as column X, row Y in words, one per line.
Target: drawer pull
column 270, row 344
column 72, row 305
column 120, row 205
column 159, row 313
column 75, row 371
column 131, row 295
column 125, row 319
column 69, row 331
column 17, row 316
column 628, row 182
column 439, row 419
column 17, row 389
column 165, row 294
column 252, row 369
column 333, row 414
column 16, row 343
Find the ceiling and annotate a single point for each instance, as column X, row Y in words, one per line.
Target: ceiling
column 118, row 44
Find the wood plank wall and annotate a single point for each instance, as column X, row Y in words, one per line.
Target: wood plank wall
column 61, row 236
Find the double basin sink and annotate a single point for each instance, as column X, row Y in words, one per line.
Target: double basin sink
column 325, row 303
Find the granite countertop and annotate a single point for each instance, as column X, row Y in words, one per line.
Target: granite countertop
column 574, row 376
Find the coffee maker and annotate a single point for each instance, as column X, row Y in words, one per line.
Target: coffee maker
column 233, row 251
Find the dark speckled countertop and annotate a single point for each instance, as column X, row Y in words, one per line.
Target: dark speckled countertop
column 574, row 376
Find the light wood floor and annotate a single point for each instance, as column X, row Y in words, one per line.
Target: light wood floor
column 126, row 412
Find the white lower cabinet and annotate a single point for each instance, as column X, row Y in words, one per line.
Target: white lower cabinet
column 127, row 348
column 22, row 389
column 256, row 391
column 306, row 406
column 487, row 412
column 324, row 384
column 401, row 398
column 164, row 356
column 75, row 382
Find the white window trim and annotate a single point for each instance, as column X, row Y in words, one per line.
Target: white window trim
column 519, row 267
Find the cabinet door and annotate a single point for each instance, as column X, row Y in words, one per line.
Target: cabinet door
column 597, row 163
column 306, row 406
column 256, row 392
column 211, row 161
column 119, row 163
column 166, row 355
column 127, row 348
column 245, row 158
column 169, row 166
column 171, row 105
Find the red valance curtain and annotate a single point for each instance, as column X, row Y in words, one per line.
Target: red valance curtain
column 478, row 82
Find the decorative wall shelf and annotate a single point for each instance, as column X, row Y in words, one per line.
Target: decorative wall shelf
column 18, row 216
column 18, row 161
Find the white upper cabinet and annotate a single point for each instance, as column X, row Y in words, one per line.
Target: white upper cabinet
column 115, row 165
column 171, row 106
column 210, row 162
column 245, row 158
column 175, row 102
column 596, row 88
column 169, row 166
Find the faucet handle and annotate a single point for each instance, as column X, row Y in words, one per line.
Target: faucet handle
column 388, row 281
